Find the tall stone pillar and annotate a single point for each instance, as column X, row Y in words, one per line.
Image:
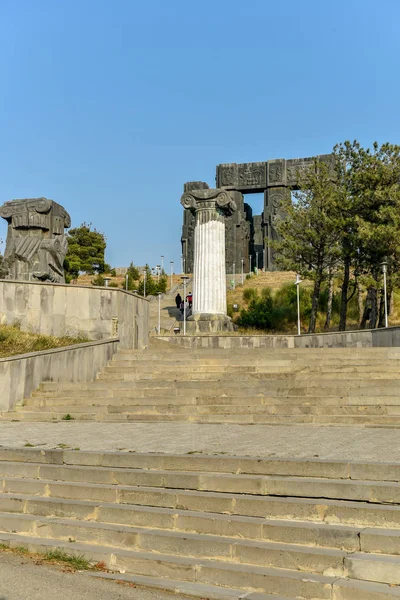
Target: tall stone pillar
column 209, row 276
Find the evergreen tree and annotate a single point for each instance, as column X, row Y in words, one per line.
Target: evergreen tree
column 86, row 248
column 309, row 233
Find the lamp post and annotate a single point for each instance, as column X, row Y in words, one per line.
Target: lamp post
column 184, row 278
column 158, row 269
column 384, row 271
column 144, row 283
column 162, row 262
column 242, row 271
column 182, row 271
column 250, row 257
column 171, row 262
column 297, row 284
column 233, row 275
column 126, row 281
column 159, row 312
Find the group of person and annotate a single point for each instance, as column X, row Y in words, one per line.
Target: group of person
column 180, row 304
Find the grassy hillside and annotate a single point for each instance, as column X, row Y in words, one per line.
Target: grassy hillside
column 277, row 280
column 14, row 341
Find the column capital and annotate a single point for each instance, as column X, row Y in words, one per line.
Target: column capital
column 203, row 199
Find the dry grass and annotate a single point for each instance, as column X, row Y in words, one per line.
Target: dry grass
column 14, row 341
column 119, row 280
column 272, row 279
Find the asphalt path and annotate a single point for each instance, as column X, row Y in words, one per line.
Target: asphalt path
column 26, row 578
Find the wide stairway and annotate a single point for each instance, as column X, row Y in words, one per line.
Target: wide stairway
column 343, row 386
column 212, row 527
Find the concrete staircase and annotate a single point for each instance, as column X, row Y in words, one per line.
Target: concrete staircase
column 212, row 526
column 344, row 386
column 169, row 313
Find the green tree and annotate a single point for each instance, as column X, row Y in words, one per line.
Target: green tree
column 152, row 286
column 368, row 190
column 379, row 226
column 309, row 233
column 133, row 278
column 86, row 248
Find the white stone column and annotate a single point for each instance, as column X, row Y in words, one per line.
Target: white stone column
column 209, row 277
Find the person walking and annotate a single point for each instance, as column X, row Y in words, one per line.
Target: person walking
column 178, row 300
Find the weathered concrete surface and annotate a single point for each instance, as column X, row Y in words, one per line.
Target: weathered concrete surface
column 344, row 443
column 23, row 578
column 369, row 338
column 20, row 375
column 56, row 309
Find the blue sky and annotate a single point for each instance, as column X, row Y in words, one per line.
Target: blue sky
column 108, row 107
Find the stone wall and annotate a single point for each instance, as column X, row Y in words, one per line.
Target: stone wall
column 21, row 375
column 97, row 313
column 389, row 337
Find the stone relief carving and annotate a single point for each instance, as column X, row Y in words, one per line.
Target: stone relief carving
column 252, row 175
column 227, row 176
column 36, row 245
column 275, row 173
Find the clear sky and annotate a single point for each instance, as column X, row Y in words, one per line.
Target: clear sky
column 108, row 107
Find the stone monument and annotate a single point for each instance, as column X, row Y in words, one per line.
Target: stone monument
column 36, row 244
column 209, row 208
column 247, row 235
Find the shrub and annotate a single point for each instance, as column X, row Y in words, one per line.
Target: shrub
column 250, row 294
column 259, row 315
column 98, row 280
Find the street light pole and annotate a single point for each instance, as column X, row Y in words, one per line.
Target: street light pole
column 182, row 271
column 162, row 262
column 384, row 270
column 158, row 269
column 233, row 275
column 126, row 281
column 297, row 284
column 242, row 271
column 250, row 257
column 159, row 312
column 171, row 262
column 184, row 303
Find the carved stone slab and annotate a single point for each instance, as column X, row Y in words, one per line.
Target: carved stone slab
column 36, row 245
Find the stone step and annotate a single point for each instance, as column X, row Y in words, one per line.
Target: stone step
column 238, row 419
column 271, row 387
column 204, row 463
column 239, row 503
column 342, row 590
column 298, row 584
column 231, row 550
column 318, row 402
column 195, row 590
column 51, row 479
column 194, row 409
column 354, row 537
column 163, row 349
column 200, row 570
column 248, row 374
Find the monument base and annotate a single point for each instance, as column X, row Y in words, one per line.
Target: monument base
column 209, row 323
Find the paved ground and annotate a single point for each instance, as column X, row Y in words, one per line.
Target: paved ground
column 41, row 582
column 182, row 438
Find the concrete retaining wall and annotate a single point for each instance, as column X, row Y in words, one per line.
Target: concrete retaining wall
column 57, row 309
column 21, row 375
column 345, row 339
